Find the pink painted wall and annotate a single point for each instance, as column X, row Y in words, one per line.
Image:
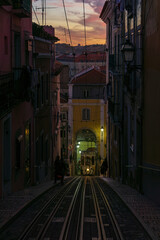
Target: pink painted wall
column 5, row 59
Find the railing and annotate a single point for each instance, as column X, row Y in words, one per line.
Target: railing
column 22, row 4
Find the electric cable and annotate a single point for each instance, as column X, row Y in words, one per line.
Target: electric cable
column 68, row 27
column 35, row 15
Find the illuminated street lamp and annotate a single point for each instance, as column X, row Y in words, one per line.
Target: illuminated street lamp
column 102, row 129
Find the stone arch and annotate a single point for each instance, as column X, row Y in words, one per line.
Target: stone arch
column 86, row 152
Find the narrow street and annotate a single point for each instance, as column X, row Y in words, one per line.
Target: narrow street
column 82, row 208
column 79, row 120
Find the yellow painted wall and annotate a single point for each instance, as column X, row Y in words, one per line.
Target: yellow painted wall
column 94, row 124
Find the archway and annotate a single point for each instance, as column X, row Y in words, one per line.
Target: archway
column 86, row 152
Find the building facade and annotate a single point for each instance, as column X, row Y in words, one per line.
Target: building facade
column 16, row 79
column 45, row 101
column 130, row 32
column 81, row 62
column 87, row 119
column 150, row 166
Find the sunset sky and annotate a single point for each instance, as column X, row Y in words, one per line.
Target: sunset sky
column 95, row 28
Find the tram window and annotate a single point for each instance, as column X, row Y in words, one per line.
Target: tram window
column 92, row 160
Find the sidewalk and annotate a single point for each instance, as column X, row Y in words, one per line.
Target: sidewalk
column 12, row 204
column 147, row 212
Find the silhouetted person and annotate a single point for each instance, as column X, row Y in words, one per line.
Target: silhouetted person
column 57, row 168
column 62, row 169
column 104, row 167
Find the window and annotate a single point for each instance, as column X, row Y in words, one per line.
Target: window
column 86, row 93
column 63, row 116
column 86, row 114
column 138, row 12
column 63, row 133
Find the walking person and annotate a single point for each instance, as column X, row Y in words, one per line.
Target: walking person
column 57, row 168
column 62, row 169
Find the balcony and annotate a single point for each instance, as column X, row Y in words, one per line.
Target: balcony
column 5, row 2
column 22, row 8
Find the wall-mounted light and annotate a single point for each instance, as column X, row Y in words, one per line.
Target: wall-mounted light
column 128, row 51
column 102, row 129
column 77, row 146
column 79, row 142
column 80, row 151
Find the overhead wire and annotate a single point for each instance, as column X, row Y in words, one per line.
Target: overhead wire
column 35, row 15
column 68, row 26
column 69, row 32
column 85, row 32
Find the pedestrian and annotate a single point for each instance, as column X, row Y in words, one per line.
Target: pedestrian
column 62, row 169
column 57, row 168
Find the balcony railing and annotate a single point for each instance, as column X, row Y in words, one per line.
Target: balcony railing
column 22, row 8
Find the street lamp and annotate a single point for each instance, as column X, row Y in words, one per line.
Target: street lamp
column 102, row 129
column 128, row 51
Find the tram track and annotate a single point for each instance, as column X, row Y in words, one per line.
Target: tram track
column 40, row 224
column 125, row 224
column 85, row 208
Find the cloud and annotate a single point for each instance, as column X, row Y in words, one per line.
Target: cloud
column 97, row 5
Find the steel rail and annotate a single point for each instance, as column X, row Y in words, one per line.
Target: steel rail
column 63, row 190
column 65, row 228
column 82, row 212
column 49, row 220
column 114, row 222
column 100, row 225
